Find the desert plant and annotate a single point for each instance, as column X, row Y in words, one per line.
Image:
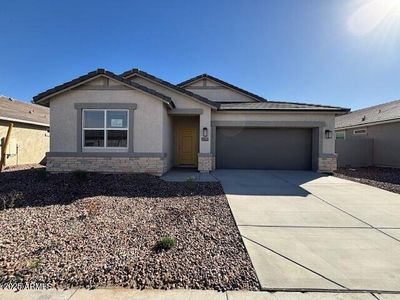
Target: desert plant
column 191, row 183
column 10, row 199
column 80, row 175
column 33, row 264
column 166, row 243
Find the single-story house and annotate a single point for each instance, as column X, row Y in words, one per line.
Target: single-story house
column 369, row 136
column 136, row 122
column 29, row 139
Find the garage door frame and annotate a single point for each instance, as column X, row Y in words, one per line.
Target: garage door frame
column 317, row 133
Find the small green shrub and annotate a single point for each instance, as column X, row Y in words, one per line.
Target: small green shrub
column 80, row 175
column 9, row 200
column 166, row 243
column 33, row 264
column 191, row 183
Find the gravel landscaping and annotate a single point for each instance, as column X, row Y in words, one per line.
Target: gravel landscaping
column 98, row 230
column 384, row 178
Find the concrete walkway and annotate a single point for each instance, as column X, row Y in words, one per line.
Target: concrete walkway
column 120, row 294
column 305, row 231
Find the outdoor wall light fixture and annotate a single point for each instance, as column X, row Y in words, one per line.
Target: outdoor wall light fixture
column 328, row 134
column 205, row 132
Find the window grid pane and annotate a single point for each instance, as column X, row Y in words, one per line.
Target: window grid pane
column 117, row 119
column 117, row 138
column 94, row 138
column 113, row 125
column 93, row 119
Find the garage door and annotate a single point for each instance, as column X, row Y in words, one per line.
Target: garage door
column 264, row 148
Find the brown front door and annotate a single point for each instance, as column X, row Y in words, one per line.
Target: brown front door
column 186, row 148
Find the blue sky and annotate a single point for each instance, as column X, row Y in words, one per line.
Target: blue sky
column 303, row 50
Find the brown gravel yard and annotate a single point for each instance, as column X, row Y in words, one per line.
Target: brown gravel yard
column 384, row 178
column 68, row 230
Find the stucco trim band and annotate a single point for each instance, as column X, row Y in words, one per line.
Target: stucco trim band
column 304, row 124
column 106, row 154
column 186, row 111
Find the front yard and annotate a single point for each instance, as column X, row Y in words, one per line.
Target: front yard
column 384, row 178
column 97, row 230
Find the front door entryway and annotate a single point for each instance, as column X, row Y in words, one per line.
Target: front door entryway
column 186, row 148
column 186, row 137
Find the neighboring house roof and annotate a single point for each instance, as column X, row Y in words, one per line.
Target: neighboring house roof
column 369, row 116
column 99, row 72
column 138, row 72
column 279, row 106
column 22, row 112
column 220, row 81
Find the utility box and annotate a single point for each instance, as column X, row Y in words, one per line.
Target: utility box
column 12, row 147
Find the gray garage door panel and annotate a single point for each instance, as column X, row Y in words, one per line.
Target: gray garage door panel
column 264, row 148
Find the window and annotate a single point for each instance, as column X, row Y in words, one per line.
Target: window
column 360, row 131
column 340, row 135
column 105, row 129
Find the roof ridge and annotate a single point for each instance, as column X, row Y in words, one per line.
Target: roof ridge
column 220, row 81
column 92, row 74
column 169, row 84
column 374, row 106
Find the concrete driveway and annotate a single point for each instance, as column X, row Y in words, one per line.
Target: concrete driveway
column 305, row 231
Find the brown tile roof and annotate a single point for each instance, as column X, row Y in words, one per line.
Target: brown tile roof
column 38, row 98
column 279, row 106
column 23, row 112
column 170, row 85
column 220, row 81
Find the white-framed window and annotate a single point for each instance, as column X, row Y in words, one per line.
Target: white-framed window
column 360, row 131
column 105, row 129
column 340, row 135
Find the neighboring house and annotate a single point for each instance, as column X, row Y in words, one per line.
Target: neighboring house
column 136, row 122
column 29, row 140
column 369, row 136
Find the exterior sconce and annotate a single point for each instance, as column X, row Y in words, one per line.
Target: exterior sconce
column 205, row 132
column 328, row 134
column 204, row 136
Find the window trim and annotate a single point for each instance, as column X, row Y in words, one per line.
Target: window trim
column 104, row 129
column 344, row 135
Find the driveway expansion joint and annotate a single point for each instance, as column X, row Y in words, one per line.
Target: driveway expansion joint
column 295, row 262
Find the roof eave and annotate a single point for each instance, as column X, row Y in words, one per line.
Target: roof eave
column 196, row 97
column 224, row 83
column 40, row 98
column 24, row 121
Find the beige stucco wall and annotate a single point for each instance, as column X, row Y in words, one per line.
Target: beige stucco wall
column 216, row 92
column 28, row 143
column 328, row 145
column 148, row 118
column 184, row 102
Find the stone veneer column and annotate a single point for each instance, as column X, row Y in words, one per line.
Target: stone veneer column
column 206, row 162
column 327, row 163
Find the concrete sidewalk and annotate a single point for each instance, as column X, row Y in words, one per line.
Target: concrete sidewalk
column 120, row 294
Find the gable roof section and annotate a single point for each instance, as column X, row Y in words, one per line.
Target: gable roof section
column 385, row 112
column 224, row 83
column 280, row 106
column 138, row 72
column 94, row 74
column 18, row 111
